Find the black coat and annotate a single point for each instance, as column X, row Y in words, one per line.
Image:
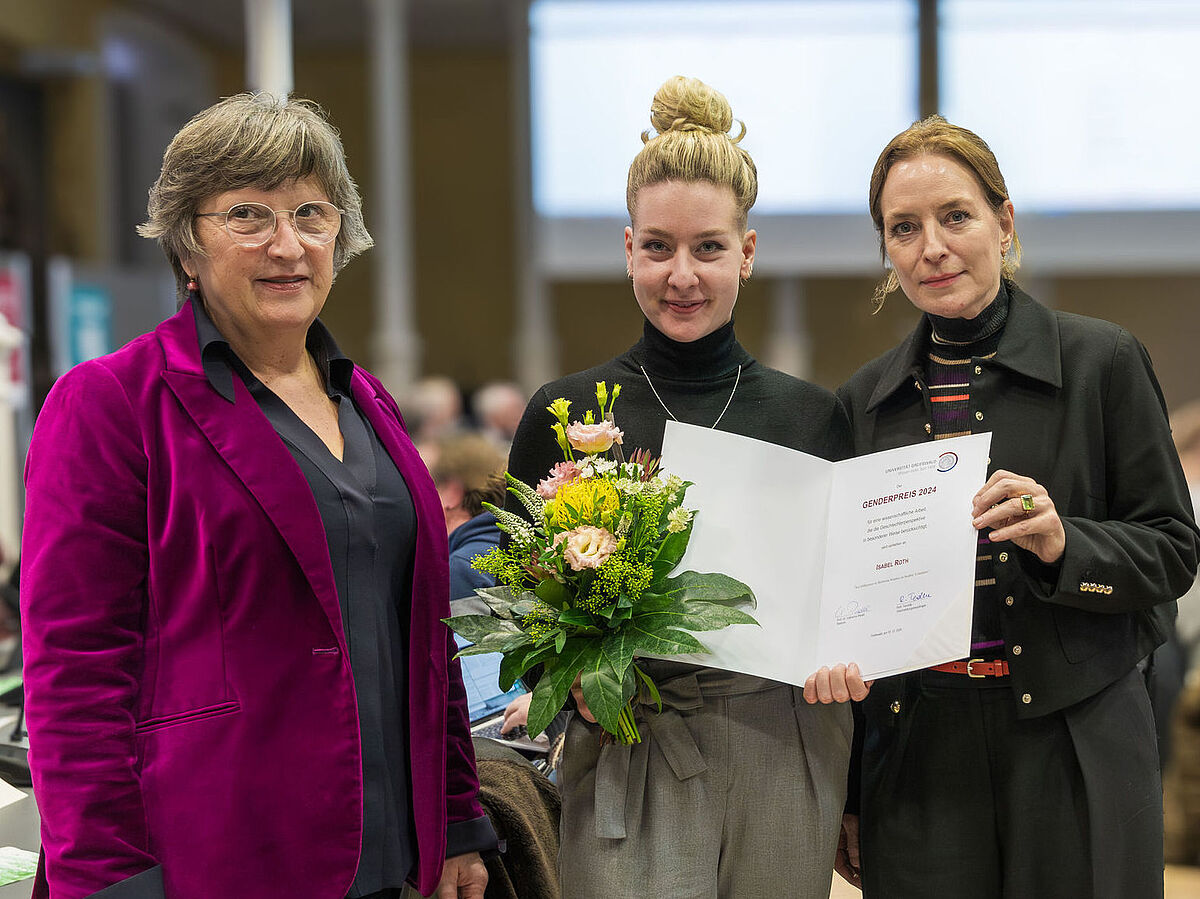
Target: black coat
column 1073, row 403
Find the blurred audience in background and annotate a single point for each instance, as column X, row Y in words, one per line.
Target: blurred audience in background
column 497, row 408
column 433, row 408
column 1181, row 780
column 468, row 471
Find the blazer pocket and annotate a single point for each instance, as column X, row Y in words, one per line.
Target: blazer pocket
column 151, row 725
column 1084, row 634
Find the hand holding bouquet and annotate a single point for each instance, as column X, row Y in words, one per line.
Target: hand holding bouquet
column 586, row 588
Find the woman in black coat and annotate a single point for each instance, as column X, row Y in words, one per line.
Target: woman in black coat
column 1030, row 768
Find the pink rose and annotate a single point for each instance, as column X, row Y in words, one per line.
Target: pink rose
column 560, row 475
column 587, row 546
column 593, row 438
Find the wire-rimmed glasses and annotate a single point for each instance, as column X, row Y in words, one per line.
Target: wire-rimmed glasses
column 253, row 224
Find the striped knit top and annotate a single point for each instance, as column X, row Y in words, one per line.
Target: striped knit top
column 955, row 346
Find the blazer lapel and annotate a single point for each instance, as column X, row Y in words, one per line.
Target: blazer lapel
column 245, row 440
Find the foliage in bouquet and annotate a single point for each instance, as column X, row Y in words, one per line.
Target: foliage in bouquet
column 585, row 586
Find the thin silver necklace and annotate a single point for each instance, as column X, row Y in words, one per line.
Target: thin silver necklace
column 736, row 381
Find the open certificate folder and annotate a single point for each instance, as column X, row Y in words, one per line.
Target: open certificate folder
column 868, row 560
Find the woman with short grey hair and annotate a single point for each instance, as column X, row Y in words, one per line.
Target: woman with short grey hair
column 235, row 567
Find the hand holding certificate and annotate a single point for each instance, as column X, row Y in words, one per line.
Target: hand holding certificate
column 869, row 559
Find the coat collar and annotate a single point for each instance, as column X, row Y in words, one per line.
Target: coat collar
column 1029, row 346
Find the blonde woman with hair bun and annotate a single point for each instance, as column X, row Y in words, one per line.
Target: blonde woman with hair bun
column 738, row 787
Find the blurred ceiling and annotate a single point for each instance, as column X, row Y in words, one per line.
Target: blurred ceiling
column 341, row 22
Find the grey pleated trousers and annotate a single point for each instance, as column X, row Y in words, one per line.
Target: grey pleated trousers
column 736, row 792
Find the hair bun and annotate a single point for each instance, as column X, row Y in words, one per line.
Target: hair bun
column 688, row 104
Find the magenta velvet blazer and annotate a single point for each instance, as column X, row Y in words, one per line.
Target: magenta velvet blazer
column 188, row 690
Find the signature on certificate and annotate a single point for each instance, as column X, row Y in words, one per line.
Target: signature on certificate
column 850, row 611
column 916, row 600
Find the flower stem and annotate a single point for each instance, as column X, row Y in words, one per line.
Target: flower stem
column 628, row 729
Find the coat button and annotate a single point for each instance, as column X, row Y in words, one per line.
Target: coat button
column 1003, row 557
column 1017, row 649
column 895, row 707
column 1026, row 698
column 1008, row 600
column 979, row 416
column 978, row 369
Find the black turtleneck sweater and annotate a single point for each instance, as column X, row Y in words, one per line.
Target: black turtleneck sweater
column 695, row 381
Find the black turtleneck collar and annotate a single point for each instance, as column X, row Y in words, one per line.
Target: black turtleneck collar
column 711, row 356
column 965, row 331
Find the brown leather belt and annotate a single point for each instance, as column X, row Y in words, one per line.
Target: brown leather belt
column 974, row 668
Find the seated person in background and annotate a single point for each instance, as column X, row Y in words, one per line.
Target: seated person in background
column 468, row 470
column 1181, row 774
column 497, row 407
column 433, row 409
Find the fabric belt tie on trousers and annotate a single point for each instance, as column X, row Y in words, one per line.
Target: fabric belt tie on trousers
column 621, row 770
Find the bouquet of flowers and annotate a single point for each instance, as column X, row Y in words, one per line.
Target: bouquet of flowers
column 585, row 586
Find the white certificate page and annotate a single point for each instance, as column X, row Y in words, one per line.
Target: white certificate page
column 868, row 560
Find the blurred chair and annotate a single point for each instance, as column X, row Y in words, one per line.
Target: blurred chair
column 524, row 808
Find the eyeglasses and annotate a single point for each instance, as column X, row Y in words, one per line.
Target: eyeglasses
column 253, row 224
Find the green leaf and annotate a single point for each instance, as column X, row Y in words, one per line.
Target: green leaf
column 653, row 601
column 474, row 628
column 553, row 593
column 577, row 617
column 621, row 613
column 513, row 665
column 474, row 649
column 718, row 588
column 560, row 641
column 504, row 642
column 499, row 599
column 549, row 638
column 648, row 638
column 693, row 616
column 524, row 606
column 605, row 690
column 542, row 653
column 619, row 650
column 551, row 691
column 670, row 552
column 651, row 687
column 518, row 661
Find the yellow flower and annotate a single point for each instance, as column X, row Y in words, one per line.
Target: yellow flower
column 559, row 409
column 594, row 500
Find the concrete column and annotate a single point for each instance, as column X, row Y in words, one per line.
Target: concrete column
column 789, row 347
column 269, row 46
column 395, row 349
column 535, row 343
